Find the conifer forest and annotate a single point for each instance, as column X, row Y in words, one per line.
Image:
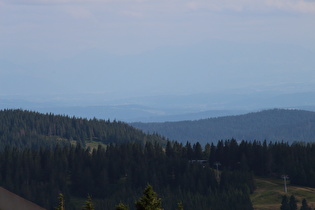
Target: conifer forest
column 43, row 155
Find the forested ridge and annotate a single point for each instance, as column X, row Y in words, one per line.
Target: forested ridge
column 21, row 128
column 272, row 125
column 179, row 172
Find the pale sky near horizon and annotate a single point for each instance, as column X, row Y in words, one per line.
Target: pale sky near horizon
column 147, row 47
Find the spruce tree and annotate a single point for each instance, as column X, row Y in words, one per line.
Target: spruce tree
column 292, row 203
column 121, row 206
column 180, row 206
column 61, row 205
column 88, row 204
column 305, row 205
column 149, row 200
column 284, row 203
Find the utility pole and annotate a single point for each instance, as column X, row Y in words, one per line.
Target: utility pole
column 217, row 164
column 285, row 177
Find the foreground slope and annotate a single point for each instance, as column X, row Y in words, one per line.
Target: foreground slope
column 273, row 125
column 269, row 192
column 9, row 201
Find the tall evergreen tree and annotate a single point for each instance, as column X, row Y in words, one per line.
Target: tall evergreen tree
column 149, row 200
column 61, row 204
column 305, row 205
column 180, row 206
column 88, row 204
column 284, row 203
column 292, row 203
column 121, row 206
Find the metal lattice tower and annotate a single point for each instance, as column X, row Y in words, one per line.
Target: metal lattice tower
column 285, row 177
column 217, row 164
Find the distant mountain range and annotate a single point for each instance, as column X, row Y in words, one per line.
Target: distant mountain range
column 163, row 108
column 272, row 125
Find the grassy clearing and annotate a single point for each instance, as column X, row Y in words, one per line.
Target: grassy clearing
column 269, row 192
column 94, row 144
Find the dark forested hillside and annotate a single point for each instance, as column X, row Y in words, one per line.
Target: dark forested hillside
column 273, row 125
column 178, row 172
column 21, row 128
column 119, row 173
column 38, row 161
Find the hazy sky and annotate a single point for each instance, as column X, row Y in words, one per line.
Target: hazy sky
column 145, row 47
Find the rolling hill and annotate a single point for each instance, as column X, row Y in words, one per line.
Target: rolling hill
column 21, row 128
column 271, row 125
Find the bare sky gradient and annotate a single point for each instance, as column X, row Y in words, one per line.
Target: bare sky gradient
column 145, row 47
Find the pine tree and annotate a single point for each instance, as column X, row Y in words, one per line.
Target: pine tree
column 149, row 200
column 88, row 204
column 180, row 206
column 305, row 205
column 121, row 206
column 284, row 203
column 61, row 205
column 292, row 203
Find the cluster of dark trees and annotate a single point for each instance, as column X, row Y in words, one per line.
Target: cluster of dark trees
column 291, row 203
column 267, row 159
column 179, row 172
column 119, row 173
column 148, row 201
column 88, row 205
